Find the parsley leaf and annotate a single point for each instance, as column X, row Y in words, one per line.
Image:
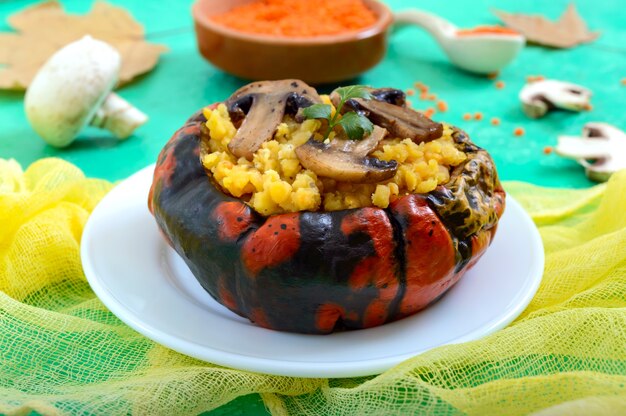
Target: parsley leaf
column 355, row 125
column 353, row 91
column 317, row 111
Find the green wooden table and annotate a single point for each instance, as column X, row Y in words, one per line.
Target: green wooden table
column 183, row 82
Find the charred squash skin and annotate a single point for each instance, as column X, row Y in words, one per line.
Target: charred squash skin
column 319, row 272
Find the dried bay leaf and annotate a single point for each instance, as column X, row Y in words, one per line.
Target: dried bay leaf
column 570, row 30
column 43, row 29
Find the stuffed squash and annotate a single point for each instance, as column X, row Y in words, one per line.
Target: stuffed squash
column 302, row 222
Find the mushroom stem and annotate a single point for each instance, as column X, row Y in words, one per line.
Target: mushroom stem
column 118, row 116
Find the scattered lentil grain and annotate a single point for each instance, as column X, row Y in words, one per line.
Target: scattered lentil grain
column 421, row 86
column 534, row 78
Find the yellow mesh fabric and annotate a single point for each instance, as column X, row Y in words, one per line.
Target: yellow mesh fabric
column 62, row 352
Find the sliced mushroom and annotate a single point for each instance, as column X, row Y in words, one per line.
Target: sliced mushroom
column 601, row 150
column 540, row 97
column 387, row 108
column 346, row 160
column 261, row 106
column 389, row 95
column 401, row 122
column 360, row 148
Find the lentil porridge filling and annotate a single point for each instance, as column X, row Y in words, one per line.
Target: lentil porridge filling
column 275, row 181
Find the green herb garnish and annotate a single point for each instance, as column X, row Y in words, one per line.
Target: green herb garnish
column 355, row 125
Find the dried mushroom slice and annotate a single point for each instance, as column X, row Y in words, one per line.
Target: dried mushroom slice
column 260, row 107
column 346, row 160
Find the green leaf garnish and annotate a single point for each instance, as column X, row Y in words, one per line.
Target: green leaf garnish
column 318, row 111
column 355, row 125
column 353, row 91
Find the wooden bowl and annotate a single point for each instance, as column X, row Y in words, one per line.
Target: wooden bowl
column 315, row 60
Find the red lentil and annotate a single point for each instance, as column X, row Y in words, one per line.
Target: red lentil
column 420, row 86
column 486, row 30
column 478, row 116
column 519, row 131
column 442, row 106
column 298, row 18
column 410, row 92
column 547, row 150
column 467, row 116
column 495, row 121
column 535, row 78
column 500, row 85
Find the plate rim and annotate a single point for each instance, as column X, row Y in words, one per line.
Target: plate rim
column 292, row 368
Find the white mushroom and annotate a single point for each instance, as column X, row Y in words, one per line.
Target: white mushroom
column 73, row 89
column 601, row 150
column 539, row 97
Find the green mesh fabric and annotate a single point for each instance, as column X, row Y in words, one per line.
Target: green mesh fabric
column 62, row 352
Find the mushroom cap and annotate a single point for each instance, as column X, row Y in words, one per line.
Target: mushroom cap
column 67, row 91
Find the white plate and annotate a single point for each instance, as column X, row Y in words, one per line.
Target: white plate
column 149, row 287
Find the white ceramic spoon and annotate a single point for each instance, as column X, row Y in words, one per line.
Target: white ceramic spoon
column 482, row 53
